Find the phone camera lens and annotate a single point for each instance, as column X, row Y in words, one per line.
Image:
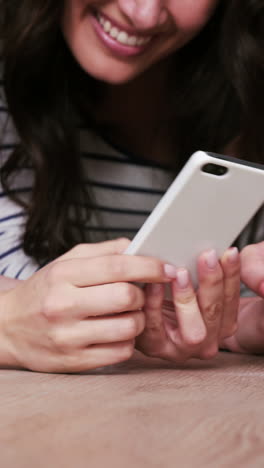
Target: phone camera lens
column 214, row 169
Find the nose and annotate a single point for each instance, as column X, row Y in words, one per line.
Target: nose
column 144, row 14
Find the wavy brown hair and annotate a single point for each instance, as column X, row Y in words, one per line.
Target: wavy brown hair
column 217, row 93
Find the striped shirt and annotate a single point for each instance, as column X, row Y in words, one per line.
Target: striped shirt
column 125, row 189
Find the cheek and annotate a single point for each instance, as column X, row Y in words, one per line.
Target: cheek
column 73, row 13
column 192, row 15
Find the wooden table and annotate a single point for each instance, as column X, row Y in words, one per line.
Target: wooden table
column 144, row 413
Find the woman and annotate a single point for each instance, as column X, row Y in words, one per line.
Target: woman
column 109, row 80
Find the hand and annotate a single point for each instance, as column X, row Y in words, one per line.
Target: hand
column 199, row 320
column 249, row 337
column 252, row 267
column 79, row 312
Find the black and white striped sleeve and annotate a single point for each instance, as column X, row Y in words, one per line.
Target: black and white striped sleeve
column 14, row 263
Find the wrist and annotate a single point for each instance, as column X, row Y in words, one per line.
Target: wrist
column 7, row 352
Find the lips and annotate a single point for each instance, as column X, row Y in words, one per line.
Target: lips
column 120, row 34
column 122, row 41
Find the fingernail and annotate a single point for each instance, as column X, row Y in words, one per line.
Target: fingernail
column 182, row 278
column 170, row 271
column 211, row 259
column 232, row 254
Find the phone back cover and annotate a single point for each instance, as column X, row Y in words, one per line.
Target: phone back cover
column 200, row 211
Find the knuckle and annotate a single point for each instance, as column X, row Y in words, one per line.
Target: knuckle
column 55, row 305
column 116, row 265
column 49, row 307
column 54, row 273
column 209, row 353
column 131, row 327
column 128, row 350
column 231, row 296
column 141, row 322
column 212, row 312
column 186, row 298
column 155, row 267
column 73, row 363
column 216, row 281
column 134, row 325
column 195, row 338
column 229, row 330
column 123, row 243
column 127, row 296
column 233, row 271
column 80, row 249
column 58, row 340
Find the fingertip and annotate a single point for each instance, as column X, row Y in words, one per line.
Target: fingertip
column 210, row 352
column 141, row 324
column 182, row 279
column 122, row 244
column 207, row 263
column 231, row 256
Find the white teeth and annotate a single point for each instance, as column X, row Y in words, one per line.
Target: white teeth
column 121, row 36
column 114, row 32
column 107, row 26
column 132, row 41
column 141, row 41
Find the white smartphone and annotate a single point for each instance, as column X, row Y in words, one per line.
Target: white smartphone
column 207, row 206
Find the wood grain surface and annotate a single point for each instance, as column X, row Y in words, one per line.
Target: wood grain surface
column 143, row 413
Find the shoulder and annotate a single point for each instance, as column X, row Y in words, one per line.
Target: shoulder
column 8, row 134
column 21, row 181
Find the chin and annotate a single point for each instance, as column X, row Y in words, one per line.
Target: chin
column 112, row 75
column 116, row 79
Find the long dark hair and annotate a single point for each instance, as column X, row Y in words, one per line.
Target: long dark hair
column 216, row 85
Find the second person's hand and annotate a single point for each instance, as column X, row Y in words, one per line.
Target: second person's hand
column 199, row 320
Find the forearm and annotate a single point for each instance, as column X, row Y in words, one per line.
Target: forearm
column 8, row 283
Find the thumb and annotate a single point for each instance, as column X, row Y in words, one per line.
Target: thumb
column 252, row 267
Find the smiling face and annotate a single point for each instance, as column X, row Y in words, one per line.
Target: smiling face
column 116, row 40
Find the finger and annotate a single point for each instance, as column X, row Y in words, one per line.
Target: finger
column 154, row 340
column 83, row 272
column 106, row 299
column 171, row 326
column 191, row 324
column 153, row 332
column 95, row 356
column 231, row 267
column 101, row 330
column 210, row 297
column 252, row 267
column 112, row 247
column 249, row 337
